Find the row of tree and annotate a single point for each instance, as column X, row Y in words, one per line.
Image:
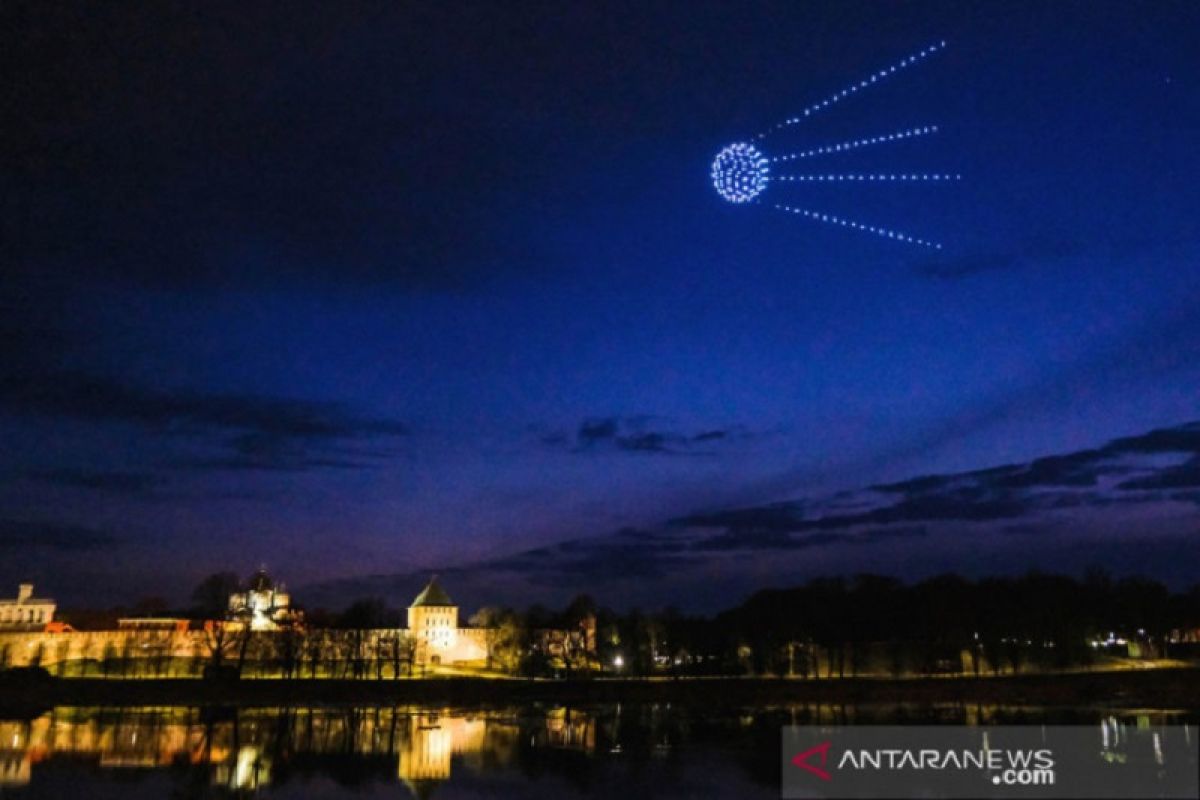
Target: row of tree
column 839, row 627
column 834, row 627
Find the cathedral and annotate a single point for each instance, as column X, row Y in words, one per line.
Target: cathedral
column 264, row 605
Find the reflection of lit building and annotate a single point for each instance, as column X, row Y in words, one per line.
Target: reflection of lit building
column 569, row 729
column 15, row 768
column 26, row 613
column 247, row 771
column 16, row 753
column 433, row 624
column 243, row 750
column 265, row 605
column 432, row 741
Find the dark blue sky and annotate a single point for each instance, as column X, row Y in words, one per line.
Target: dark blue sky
column 373, row 290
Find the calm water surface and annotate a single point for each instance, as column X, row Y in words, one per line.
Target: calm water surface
column 534, row 751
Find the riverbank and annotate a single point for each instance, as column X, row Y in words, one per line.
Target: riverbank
column 1152, row 688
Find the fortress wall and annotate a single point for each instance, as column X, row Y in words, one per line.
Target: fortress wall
column 23, row 649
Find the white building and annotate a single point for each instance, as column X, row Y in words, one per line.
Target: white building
column 433, row 624
column 264, row 605
column 26, row 613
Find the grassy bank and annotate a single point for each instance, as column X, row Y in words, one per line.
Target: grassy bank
column 1159, row 688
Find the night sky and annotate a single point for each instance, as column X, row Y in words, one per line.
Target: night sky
column 365, row 291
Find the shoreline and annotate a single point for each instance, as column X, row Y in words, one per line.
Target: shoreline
column 1166, row 688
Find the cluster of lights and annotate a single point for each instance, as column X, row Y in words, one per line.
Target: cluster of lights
column 739, row 173
column 868, row 177
column 857, row 143
column 1112, row 640
column 854, row 87
column 859, row 226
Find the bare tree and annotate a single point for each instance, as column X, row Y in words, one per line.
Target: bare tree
column 225, row 640
column 211, row 595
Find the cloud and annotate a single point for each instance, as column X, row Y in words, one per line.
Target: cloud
column 1185, row 476
column 283, row 452
column 759, row 540
column 968, row 504
column 247, row 431
column 1080, row 479
column 100, row 399
column 629, row 553
column 1164, row 344
column 955, row 266
column 1180, row 439
column 112, row 482
column 596, row 430
column 626, row 567
column 780, row 517
column 640, row 435
column 1080, row 469
column 1009, row 518
column 662, row 553
column 22, row 535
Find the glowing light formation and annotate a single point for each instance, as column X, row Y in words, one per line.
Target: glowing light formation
column 854, row 144
column 741, row 171
column 859, row 226
column 853, row 88
column 867, row 177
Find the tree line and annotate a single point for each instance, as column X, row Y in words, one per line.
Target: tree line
column 871, row 624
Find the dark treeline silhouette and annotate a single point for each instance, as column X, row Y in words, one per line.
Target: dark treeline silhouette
column 836, row 627
column 876, row 625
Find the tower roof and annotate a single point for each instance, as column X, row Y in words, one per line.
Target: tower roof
column 432, row 595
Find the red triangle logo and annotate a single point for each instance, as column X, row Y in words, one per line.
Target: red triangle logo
column 801, row 760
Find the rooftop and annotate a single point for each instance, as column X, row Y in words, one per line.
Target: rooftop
column 260, row 581
column 432, row 595
column 25, row 597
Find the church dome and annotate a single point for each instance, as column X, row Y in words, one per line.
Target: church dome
column 260, row 582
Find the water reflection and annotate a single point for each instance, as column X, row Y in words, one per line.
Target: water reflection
column 248, row 749
column 601, row 750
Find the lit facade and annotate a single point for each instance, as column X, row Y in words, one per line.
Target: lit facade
column 433, row 625
column 265, row 606
column 26, row 612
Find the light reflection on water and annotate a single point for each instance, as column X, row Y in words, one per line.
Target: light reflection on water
column 641, row 750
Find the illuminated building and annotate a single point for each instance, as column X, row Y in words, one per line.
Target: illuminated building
column 264, row 605
column 433, row 624
column 26, row 613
